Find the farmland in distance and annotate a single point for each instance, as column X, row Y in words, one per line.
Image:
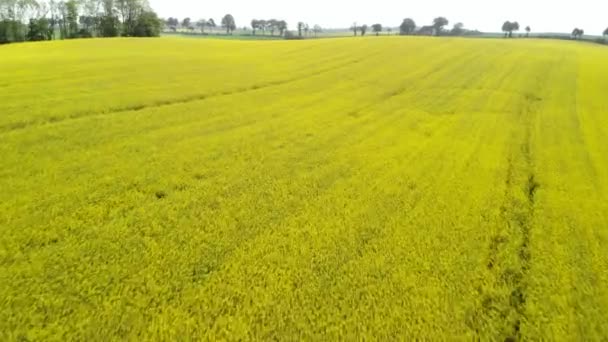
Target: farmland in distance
column 381, row 187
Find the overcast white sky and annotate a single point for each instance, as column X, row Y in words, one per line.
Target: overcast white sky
column 488, row 15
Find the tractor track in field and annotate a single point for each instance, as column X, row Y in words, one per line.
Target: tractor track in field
column 408, row 84
column 503, row 304
column 14, row 126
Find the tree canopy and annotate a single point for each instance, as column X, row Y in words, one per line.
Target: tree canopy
column 408, row 26
column 148, row 25
column 186, row 23
column 363, row 29
column 42, row 19
column 439, row 23
column 228, row 23
column 508, row 28
column 377, row 28
column 578, row 33
column 317, row 29
column 458, row 29
column 272, row 25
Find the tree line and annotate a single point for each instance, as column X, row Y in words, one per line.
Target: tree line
column 202, row 24
column 227, row 23
column 34, row 20
column 263, row 26
column 407, row 27
column 436, row 28
column 22, row 20
column 271, row 25
column 509, row 27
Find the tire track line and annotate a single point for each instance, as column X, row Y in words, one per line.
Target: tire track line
column 169, row 102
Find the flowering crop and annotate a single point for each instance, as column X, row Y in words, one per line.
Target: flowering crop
column 382, row 187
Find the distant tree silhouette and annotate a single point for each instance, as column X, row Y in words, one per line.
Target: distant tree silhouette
column 172, row 23
column 514, row 27
column 255, row 25
column 458, row 29
column 606, row 32
column 317, row 29
column 263, row 25
column 578, row 33
column 438, row 24
column 428, row 30
column 355, row 28
column 408, row 26
column 300, row 28
column 201, row 24
column 363, row 30
column 377, row 28
column 211, row 24
column 186, row 23
column 508, row 28
column 282, row 27
column 228, row 23
column 272, row 25
column 528, row 29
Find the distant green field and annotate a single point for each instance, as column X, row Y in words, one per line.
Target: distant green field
column 381, row 188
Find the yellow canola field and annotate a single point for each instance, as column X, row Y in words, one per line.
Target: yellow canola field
column 373, row 188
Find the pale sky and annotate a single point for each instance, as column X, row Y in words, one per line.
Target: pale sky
column 488, row 15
